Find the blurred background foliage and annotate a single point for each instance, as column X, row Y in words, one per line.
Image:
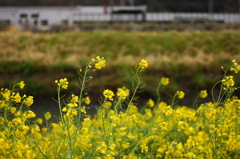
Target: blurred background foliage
column 191, row 59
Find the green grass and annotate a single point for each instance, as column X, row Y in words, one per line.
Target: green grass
column 190, row 58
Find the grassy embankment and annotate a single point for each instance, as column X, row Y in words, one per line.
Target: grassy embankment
column 190, row 59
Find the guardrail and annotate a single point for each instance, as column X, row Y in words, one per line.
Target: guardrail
column 160, row 17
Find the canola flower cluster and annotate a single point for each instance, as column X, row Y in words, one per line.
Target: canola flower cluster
column 99, row 62
column 161, row 130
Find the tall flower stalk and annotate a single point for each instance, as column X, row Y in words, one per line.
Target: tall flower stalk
column 137, row 81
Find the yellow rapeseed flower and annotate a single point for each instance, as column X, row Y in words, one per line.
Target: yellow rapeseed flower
column 168, row 111
column 190, row 155
column 143, row 64
column 164, row 126
column 235, row 66
column 108, row 94
column 64, row 109
column 144, row 147
column 72, row 105
column 28, row 101
column 39, row 121
column 102, row 148
column 122, row 93
column 150, row 103
column 112, row 146
column 29, row 114
column 212, row 128
column 125, row 145
column 87, row 100
column 1, row 120
column 107, row 105
column 164, row 81
column 12, row 110
column 71, row 113
column 180, row 94
column 63, row 83
column 228, row 81
column 6, row 94
column 74, row 99
column 3, row 104
column 182, row 125
column 47, row 115
column 21, row 84
column 17, row 121
column 83, row 110
column 99, row 62
column 16, row 97
column 132, row 109
column 203, row 94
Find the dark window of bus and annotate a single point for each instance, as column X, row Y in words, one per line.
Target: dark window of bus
column 23, row 15
column 76, row 22
column 44, row 22
column 35, row 15
column 5, row 22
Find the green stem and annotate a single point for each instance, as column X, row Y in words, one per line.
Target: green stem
column 81, row 93
column 104, row 131
column 69, row 138
column 139, row 81
column 37, row 146
column 47, row 123
column 173, row 100
column 236, row 121
column 116, row 106
column 222, row 91
column 143, row 108
column 158, row 93
column 59, row 105
column 212, row 93
column 195, row 102
column 82, row 82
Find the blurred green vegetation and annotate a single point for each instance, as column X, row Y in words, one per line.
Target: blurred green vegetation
column 191, row 59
